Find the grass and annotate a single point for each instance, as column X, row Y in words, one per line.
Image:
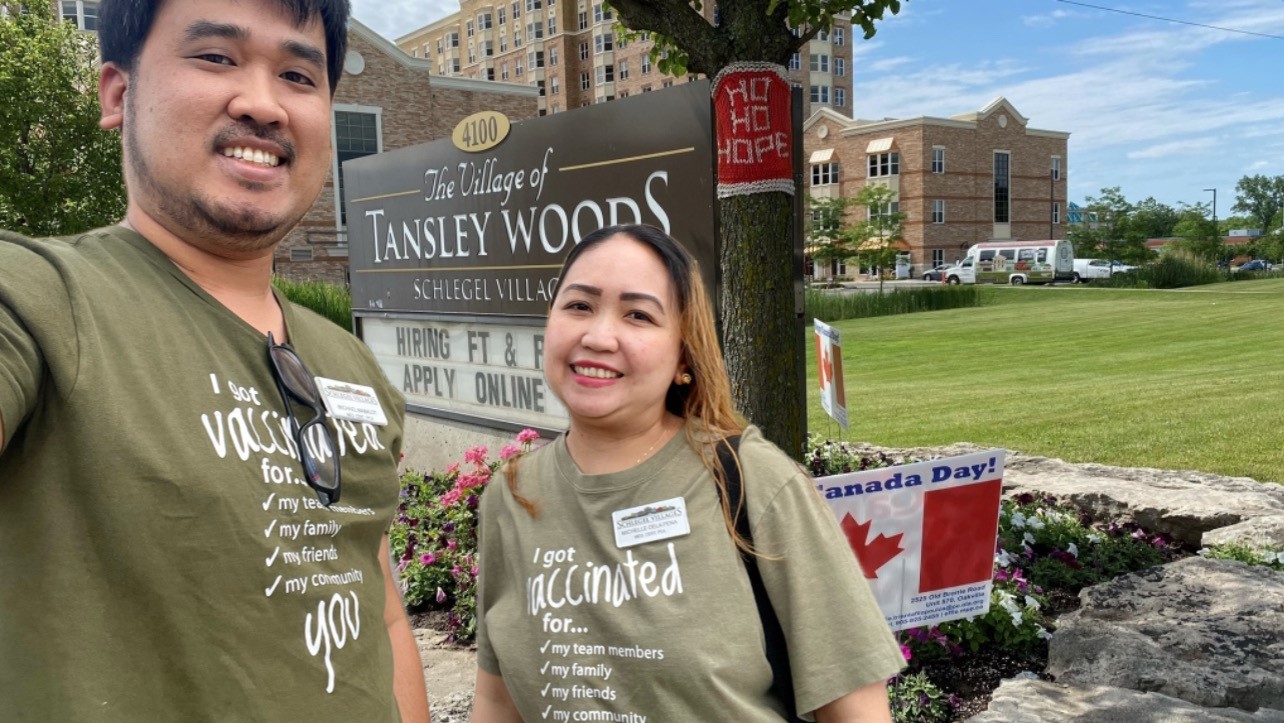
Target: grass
column 832, row 306
column 1182, row 379
column 332, row 301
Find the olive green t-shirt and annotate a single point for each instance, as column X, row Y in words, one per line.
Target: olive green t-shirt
column 160, row 557
column 667, row 630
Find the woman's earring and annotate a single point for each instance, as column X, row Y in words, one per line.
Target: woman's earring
column 684, row 379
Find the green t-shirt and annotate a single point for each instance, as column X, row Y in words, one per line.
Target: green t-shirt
column 667, row 630
column 160, row 557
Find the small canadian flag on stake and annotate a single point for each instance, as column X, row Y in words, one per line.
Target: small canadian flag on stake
column 924, row 534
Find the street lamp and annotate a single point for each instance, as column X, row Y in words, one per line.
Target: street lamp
column 1052, row 202
column 1214, row 192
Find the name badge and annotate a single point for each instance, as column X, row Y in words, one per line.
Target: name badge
column 351, row 402
column 656, row 521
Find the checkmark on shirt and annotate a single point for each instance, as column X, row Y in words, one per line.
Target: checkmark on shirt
column 268, row 531
column 269, row 590
column 545, row 667
column 546, row 710
column 268, row 504
column 272, row 558
column 545, row 647
column 544, row 693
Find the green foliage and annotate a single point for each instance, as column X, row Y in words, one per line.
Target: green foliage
column 836, row 306
column 875, row 238
column 1121, row 229
column 1172, row 270
column 825, row 237
column 434, row 535
column 1269, row 557
column 825, row 457
column 1261, row 197
column 60, row 174
column 332, row 301
column 915, row 699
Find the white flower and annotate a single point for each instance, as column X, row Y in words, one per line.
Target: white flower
column 1269, row 557
column 1203, row 552
column 1095, row 538
column 1030, row 602
column 1073, row 549
column 1003, row 559
column 1043, row 632
column 1017, row 619
column 1035, row 523
column 1028, row 538
column 1017, row 520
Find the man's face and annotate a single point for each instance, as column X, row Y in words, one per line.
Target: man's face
column 226, row 123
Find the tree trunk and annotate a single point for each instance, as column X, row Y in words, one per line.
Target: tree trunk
column 761, row 331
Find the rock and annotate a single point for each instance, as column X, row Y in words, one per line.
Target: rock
column 453, row 708
column 1205, row 631
column 1030, row 701
column 1260, row 533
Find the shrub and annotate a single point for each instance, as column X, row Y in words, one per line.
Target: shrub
column 332, row 301
column 1172, row 270
column 1271, row 558
column 826, row 457
column 434, row 535
column 915, row 699
column 836, row 307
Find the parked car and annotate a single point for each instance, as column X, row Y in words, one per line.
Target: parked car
column 936, row 273
column 1087, row 269
column 1255, row 265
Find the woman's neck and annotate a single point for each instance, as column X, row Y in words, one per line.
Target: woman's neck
column 603, row 450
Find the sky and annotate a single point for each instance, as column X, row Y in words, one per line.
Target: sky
column 1157, row 108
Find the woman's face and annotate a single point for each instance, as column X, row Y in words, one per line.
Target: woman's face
column 613, row 344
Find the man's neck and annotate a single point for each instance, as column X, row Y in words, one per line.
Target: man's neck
column 242, row 284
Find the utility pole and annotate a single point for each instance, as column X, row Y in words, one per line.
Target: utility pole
column 1052, row 202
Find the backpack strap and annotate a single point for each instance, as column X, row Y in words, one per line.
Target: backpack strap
column 777, row 652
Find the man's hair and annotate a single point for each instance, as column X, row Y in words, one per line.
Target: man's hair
column 123, row 26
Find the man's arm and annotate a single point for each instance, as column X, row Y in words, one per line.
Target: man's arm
column 407, row 668
column 866, row 705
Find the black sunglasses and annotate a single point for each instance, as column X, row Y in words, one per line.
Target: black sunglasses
column 293, row 379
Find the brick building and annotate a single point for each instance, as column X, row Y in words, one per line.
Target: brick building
column 570, row 51
column 386, row 100
column 960, row 180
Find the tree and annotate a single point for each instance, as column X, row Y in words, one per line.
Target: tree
column 1261, row 197
column 1153, row 219
column 826, row 241
column 875, row 238
column 760, row 327
column 59, row 172
column 1116, row 235
column 1199, row 235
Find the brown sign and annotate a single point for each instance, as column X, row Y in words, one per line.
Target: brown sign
column 437, row 230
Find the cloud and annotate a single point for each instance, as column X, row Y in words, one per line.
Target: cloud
column 1164, row 150
column 395, row 18
column 1048, row 20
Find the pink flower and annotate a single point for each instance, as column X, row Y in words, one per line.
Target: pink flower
column 905, row 651
column 441, row 595
column 509, row 450
column 526, row 436
column 456, row 570
column 452, row 468
column 427, row 558
column 452, row 545
column 476, row 455
column 451, row 497
column 467, row 481
column 474, row 571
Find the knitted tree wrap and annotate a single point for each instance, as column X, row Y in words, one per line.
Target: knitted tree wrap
column 752, row 105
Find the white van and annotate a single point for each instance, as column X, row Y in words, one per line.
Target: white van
column 1014, row 262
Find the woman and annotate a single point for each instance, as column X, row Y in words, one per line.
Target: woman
column 612, row 586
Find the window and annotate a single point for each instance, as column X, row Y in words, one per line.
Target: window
column 488, row 48
column 601, row 13
column 483, row 21
column 552, row 26
column 535, row 59
column 1056, row 168
column 646, row 89
column 666, row 83
column 884, row 164
column 623, row 67
column 532, row 5
column 822, row 36
column 534, row 30
column 490, row 74
column 454, row 40
column 84, row 13
column 554, row 86
column 584, row 51
column 540, row 85
column 646, row 66
column 938, row 159
column 840, row 97
column 552, row 55
column 517, row 68
column 938, row 211
column 820, row 94
column 469, row 25
column 503, row 72
column 501, row 12
column 426, row 55
column 840, row 66
column 517, row 37
column 839, row 36
column 583, row 17
column 1056, row 213
column 892, row 208
column 603, row 43
column 356, row 134
column 795, row 62
column 824, row 174
column 605, row 74
column 584, row 81
column 517, row 9
column 1002, row 188
column 440, row 46
column 938, row 257
column 819, row 63
column 454, row 65
column 472, row 55
column 503, row 43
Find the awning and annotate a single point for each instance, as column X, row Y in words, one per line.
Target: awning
column 879, row 145
column 822, row 156
column 876, row 244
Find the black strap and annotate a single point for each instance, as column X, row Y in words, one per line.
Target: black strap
column 782, row 681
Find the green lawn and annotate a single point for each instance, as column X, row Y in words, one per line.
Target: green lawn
column 1185, row 379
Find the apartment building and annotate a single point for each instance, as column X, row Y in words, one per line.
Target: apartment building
column 978, row 176
column 571, row 52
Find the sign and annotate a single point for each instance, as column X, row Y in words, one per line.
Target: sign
column 924, row 533
column 435, row 229
column 829, row 362
column 474, row 369
column 755, row 129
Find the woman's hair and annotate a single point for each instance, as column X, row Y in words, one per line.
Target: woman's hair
column 706, row 402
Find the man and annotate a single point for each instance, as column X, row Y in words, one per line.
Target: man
column 185, row 533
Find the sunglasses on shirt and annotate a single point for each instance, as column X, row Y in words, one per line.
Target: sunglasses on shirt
column 293, row 380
